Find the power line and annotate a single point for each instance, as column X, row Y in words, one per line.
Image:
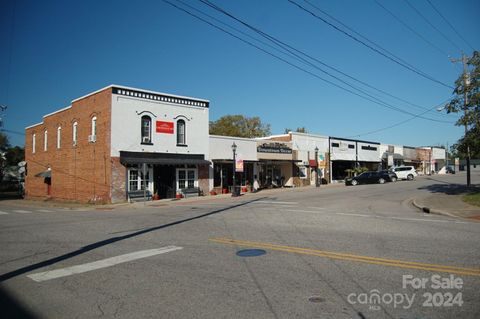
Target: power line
column 285, row 61
column 393, row 59
column 401, row 122
column 289, row 49
column 411, row 29
column 431, row 24
column 451, row 26
column 12, row 132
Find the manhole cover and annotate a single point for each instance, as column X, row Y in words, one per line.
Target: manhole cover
column 316, row 299
column 251, row 252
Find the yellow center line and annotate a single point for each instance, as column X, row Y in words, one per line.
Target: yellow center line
column 350, row 257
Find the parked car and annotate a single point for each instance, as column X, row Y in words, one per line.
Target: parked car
column 405, row 172
column 449, row 170
column 370, row 178
column 393, row 176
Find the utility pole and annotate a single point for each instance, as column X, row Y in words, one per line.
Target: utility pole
column 466, row 83
column 446, row 158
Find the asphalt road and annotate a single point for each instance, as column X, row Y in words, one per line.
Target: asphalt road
column 333, row 252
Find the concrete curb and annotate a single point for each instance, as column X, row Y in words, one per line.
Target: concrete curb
column 429, row 210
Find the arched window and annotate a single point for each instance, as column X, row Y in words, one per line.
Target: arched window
column 74, row 133
column 59, row 136
column 146, row 130
column 94, row 126
column 45, row 140
column 181, row 130
column 33, row 142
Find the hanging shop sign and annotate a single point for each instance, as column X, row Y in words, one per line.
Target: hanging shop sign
column 164, row 127
column 239, row 166
column 278, row 148
column 321, row 160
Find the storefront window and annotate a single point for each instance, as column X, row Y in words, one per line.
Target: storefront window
column 135, row 181
column 191, row 178
column 217, row 177
column 186, row 178
column 302, row 172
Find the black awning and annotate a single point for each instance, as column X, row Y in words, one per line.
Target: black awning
column 162, row 158
column 230, row 161
column 279, row 161
column 45, row 174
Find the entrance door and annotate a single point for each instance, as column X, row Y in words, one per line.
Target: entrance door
column 165, row 181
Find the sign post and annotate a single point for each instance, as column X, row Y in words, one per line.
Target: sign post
column 144, row 171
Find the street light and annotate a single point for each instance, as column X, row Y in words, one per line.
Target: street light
column 317, row 184
column 234, row 150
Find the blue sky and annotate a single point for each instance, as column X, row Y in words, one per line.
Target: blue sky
column 56, row 51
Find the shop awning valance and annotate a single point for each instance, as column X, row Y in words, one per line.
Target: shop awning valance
column 134, row 158
column 274, row 161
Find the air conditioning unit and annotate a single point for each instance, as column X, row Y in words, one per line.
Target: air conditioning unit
column 92, row 138
column 145, row 139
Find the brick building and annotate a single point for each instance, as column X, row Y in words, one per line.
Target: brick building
column 92, row 150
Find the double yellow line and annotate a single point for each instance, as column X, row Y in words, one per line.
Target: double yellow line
column 356, row 258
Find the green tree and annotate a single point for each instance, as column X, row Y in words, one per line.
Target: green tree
column 239, row 126
column 298, row 130
column 9, row 156
column 467, row 101
column 15, row 155
column 4, row 146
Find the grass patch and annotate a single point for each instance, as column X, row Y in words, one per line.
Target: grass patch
column 473, row 199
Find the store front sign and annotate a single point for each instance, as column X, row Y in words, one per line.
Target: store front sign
column 276, row 148
column 164, row 127
column 239, row 166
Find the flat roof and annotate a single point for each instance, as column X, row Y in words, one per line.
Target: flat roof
column 232, row 138
column 141, row 90
column 352, row 140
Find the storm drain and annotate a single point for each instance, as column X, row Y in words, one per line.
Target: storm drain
column 251, row 252
column 316, row 299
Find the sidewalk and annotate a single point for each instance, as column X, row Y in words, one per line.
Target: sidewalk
column 210, row 198
column 45, row 203
column 447, row 204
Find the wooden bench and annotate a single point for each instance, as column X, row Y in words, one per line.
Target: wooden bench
column 138, row 195
column 193, row 191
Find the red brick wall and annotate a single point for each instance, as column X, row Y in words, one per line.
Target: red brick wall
column 119, row 180
column 203, row 178
column 79, row 173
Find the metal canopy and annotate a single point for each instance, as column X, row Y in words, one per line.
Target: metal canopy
column 45, row 174
column 162, row 158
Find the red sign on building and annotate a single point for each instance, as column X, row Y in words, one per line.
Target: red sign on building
column 164, row 127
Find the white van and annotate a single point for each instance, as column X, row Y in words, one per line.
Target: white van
column 405, row 172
